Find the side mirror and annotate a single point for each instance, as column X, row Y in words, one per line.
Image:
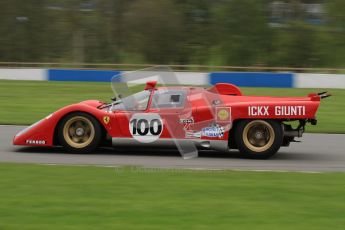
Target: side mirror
column 115, row 99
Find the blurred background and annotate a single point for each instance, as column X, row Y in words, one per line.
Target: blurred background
column 290, row 33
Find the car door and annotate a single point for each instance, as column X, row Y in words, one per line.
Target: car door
column 171, row 106
column 164, row 118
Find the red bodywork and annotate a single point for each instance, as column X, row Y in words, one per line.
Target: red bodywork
column 222, row 105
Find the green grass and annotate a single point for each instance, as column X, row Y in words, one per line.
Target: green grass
column 73, row 197
column 24, row 102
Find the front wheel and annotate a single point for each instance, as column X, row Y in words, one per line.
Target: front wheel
column 79, row 133
column 259, row 139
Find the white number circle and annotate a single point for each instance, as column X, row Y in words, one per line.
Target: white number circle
column 145, row 127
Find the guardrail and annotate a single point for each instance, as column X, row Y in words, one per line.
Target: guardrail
column 239, row 78
column 186, row 68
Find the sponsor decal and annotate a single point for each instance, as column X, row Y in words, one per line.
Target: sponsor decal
column 223, row 113
column 146, row 128
column 193, row 134
column 216, row 102
column 35, row 142
column 187, row 121
column 106, row 119
column 279, row 110
column 214, row 131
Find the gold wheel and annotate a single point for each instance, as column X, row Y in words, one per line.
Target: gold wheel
column 78, row 132
column 258, row 136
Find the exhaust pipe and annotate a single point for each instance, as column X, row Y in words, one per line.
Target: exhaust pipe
column 293, row 133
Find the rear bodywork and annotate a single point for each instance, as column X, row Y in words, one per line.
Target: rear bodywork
column 206, row 117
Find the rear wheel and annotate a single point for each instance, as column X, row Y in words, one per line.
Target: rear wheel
column 259, row 139
column 79, row 133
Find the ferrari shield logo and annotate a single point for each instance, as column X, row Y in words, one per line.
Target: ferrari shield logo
column 223, row 114
column 106, row 119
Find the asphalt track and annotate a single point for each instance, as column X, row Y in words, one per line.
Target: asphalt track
column 317, row 153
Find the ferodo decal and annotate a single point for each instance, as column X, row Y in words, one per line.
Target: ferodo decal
column 106, row 119
column 279, row 110
column 146, row 128
column 223, row 113
column 36, row 142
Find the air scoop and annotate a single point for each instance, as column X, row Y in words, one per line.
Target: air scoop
column 225, row 89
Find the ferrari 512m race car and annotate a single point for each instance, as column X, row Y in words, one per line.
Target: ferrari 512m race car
column 217, row 118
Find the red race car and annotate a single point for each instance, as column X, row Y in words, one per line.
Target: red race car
column 217, row 118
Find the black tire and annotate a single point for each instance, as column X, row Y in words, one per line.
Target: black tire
column 258, row 139
column 79, row 133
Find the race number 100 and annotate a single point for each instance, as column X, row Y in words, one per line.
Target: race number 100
column 144, row 127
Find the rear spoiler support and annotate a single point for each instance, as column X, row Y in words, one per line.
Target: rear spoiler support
column 324, row 94
column 318, row 96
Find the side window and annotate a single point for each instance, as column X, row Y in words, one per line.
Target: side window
column 169, row 99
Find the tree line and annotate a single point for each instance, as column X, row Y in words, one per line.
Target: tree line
column 206, row 32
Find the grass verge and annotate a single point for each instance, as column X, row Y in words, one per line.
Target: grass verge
column 24, row 102
column 72, row 197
